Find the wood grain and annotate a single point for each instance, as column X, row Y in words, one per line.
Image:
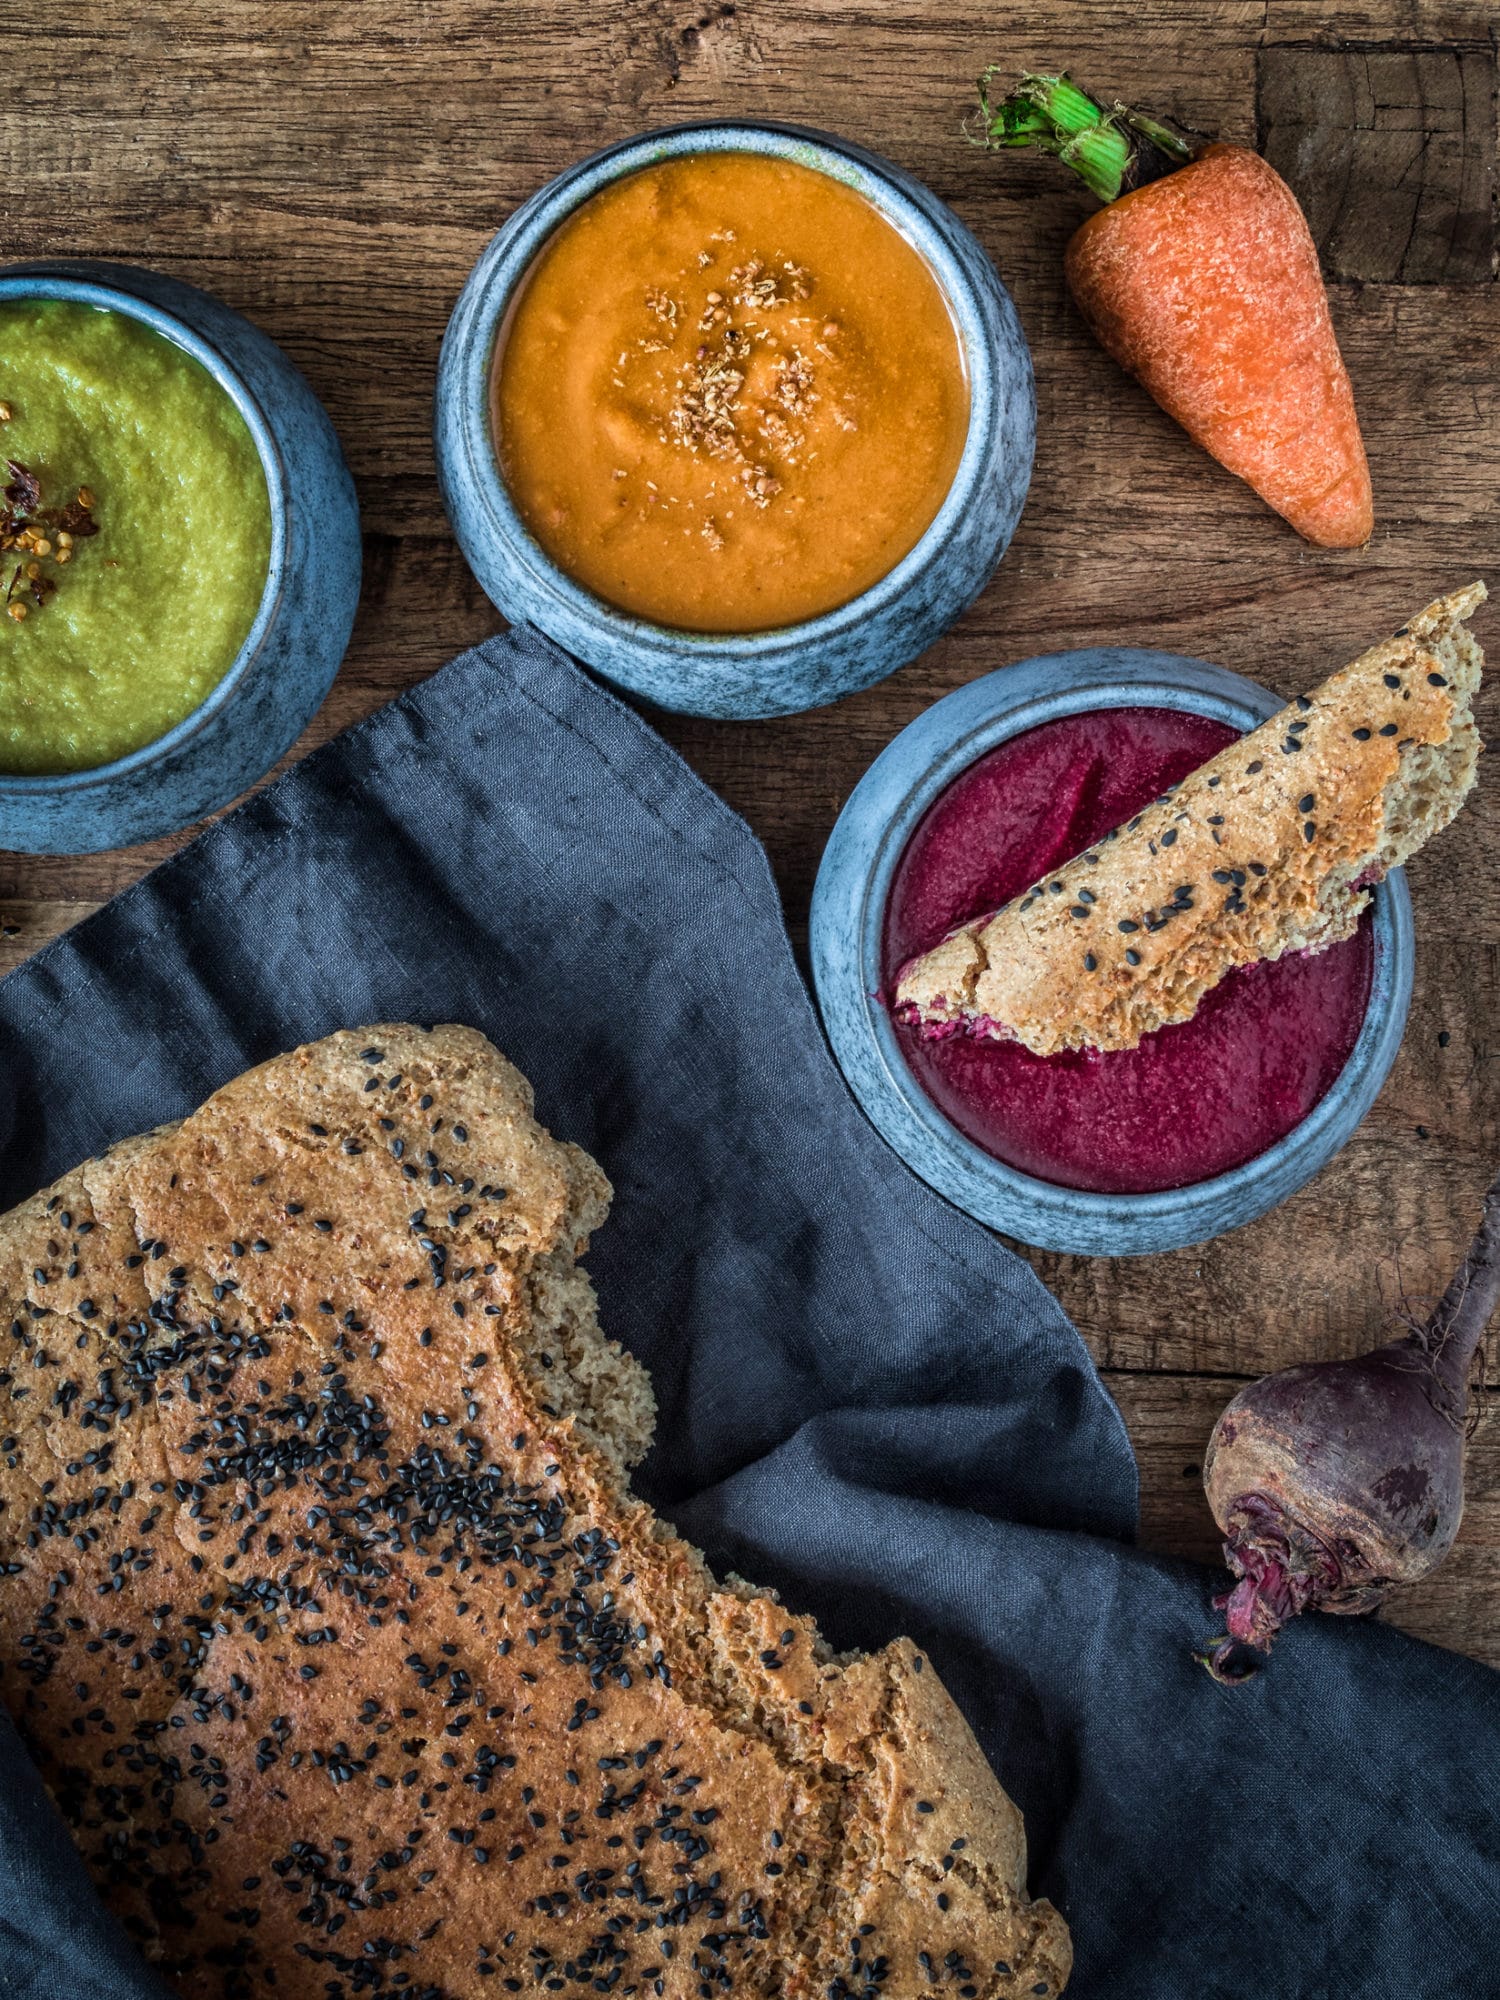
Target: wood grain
column 1391, row 153
column 333, row 167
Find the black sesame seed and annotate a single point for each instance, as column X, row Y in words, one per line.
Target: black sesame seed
column 1132, row 958
column 1306, row 803
column 1309, row 830
column 1392, row 680
column 1128, row 924
column 1362, row 735
column 1389, row 729
column 1251, row 769
column 1090, row 963
column 1169, row 836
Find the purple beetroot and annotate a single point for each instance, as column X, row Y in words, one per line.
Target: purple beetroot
column 1332, row 1481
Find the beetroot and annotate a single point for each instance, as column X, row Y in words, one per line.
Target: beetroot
column 1334, row 1480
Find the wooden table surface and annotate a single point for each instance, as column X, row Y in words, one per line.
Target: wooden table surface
column 333, row 168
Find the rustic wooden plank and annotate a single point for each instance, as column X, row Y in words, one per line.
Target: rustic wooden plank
column 25, row 926
column 1169, row 1418
column 1392, row 154
column 1416, row 23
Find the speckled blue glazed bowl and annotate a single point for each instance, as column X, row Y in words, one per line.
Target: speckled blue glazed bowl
column 287, row 663
column 797, row 666
column 848, row 915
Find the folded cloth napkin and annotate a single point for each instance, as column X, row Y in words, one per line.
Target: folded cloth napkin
column 865, row 1399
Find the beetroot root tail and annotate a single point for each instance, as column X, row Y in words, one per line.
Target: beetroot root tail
column 1229, row 1661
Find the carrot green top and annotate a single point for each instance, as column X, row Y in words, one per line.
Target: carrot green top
column 1109, row 150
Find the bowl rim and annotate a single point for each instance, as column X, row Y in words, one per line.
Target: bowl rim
column 494, row 284
column 846, row 936
column 37, row 281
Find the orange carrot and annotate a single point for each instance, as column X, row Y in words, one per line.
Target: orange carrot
column 1204, row 284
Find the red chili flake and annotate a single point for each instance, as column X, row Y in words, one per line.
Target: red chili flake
column 25, row 489
column 76, row 520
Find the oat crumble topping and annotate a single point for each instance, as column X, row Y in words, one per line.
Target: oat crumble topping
column 710, row 410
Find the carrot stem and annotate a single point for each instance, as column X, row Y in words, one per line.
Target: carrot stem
column 1108, row 149
column 1162, row 137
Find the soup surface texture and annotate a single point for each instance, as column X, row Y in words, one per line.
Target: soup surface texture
column 134, row 606
column 1192, row 1101
column 730, row 395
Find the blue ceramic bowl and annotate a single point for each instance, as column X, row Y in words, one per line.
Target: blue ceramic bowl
column 796, row 666
column 285, row 667
column 848, row 915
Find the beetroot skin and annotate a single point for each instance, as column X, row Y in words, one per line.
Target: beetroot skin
column 1337, row 1479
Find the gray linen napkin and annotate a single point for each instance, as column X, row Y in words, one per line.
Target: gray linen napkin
column 865, row 1399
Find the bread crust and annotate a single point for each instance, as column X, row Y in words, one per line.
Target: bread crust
column 1270, row 847
column 339, row 1637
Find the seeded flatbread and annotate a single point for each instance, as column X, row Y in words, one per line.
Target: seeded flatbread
column 350, row 1658
column 1270, row 847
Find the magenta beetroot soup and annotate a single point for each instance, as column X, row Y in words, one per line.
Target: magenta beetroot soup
column 1192, row 1101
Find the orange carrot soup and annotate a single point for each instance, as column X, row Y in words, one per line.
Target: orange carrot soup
column 730, row 395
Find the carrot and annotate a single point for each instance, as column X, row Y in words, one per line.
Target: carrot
column 1203, row 282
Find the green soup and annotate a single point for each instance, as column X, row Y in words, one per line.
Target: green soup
column 135, row 535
